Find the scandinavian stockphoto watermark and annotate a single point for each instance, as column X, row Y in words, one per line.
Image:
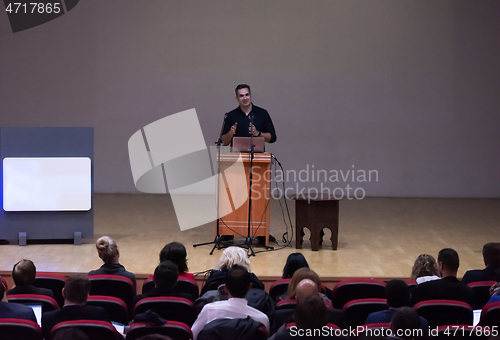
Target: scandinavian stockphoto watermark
column 312, row 183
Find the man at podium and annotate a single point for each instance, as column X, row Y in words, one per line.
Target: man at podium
column 238, row 121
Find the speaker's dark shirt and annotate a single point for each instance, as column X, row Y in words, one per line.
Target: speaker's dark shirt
column 262, row 122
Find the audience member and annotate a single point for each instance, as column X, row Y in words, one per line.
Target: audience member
column 14, row 310
column 70, row 333
column 75, row 292
column 449, row 287
column 24, row 274
column 305, row 288
column 310, row 320
column 176, row 252
column 405, row 324
column 302, row 274
column 110, row 254
column 238, row 283
column 294, row 261
column 425, row 269
column 230, row 257
column 165, row 278
column 398, row 295
column 491, row 258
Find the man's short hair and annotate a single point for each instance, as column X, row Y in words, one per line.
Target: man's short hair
column 24, row 273
column 166, row 275
column 449, row 258
column 310, row 313
column 491, row 254
column 238, row 281
column 403, row 320
column 397, row 293
column 242, row 86
column 77, row 289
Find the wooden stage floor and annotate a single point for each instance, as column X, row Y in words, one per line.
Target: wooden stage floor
column 378, row 237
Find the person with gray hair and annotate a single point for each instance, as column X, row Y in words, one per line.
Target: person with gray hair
column 230, row 257
column 109, row 253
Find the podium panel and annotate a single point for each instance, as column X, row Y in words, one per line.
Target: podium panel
column 237, row 187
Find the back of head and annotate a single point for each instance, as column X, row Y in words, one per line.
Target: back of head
column 397, row 293
column 166, row 274
column 449, row 259
column 425, row 265
column 306, row 288
column 24, row 273
column 175, row 252
column 106, row 248
column 232, row 256
column 70, row 333
column 238, row 281
column 299, row 275
column 293, row 262
column 76, row 289
column 310, row 313
column 404, row 322
column 491, row 254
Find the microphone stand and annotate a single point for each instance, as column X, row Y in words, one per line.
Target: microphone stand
column 248, row 240
column 218, row 237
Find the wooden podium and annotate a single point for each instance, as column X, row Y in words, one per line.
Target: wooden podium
column 236, row 222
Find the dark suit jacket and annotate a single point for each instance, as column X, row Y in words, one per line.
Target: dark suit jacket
column 156, row 292
column 218, row 277
column 113, row 269
column 385, row 316
column 448, row 288
column 487, row 274
column 68, row 313
column 16, row 311
column 30, row 289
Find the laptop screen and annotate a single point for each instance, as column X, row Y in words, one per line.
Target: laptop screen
column 37, row 309
column 477, row 316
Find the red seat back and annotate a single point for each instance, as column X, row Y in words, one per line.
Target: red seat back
column 445, row 312
column 20, row 329
column 174, row 329
column 354, row 289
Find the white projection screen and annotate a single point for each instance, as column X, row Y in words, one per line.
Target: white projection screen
column 47, row 184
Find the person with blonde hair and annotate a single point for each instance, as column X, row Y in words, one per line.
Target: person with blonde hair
column 230, row 257
column 425, row 269
column 109, row 253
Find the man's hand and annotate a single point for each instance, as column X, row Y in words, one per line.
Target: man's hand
column 233, row 128
column 252, row 130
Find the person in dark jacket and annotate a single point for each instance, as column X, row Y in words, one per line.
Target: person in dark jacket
column 14, row 310
column 230, row 257
column 449, row 287
column 165, row 278
column 110, row 254
column 24, row 274
column 491, row 258
column 76, row 292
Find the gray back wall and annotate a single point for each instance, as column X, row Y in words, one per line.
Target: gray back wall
column 408, row 88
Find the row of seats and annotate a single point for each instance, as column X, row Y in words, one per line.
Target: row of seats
column 96, row 330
